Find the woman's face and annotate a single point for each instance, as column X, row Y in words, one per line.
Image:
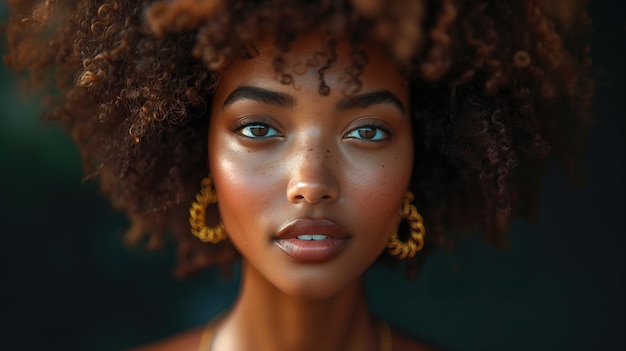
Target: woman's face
column 310, row 186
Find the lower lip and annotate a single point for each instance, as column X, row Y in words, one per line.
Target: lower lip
column 312, row 250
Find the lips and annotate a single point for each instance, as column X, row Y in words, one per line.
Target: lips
column 312, row 240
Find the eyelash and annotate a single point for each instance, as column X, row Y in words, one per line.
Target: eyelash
column 377, row 127
column 241, row 127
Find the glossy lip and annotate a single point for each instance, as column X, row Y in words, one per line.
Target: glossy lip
column 312, row 250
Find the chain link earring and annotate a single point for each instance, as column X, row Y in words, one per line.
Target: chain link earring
column 197, row 212
column 415, row 241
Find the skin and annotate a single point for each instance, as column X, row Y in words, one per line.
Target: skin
column 305, row 155
column 312, row 163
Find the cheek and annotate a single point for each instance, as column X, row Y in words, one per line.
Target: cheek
column 376, row 190
column 250, row 193
column 230, row 179
column 379, row 201
column 382, row 177
column 243, row 189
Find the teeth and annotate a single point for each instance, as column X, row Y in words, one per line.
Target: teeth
column 312, row 237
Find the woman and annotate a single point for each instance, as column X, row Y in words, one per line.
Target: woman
column 310, row 132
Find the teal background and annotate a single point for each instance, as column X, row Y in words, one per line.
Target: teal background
column 68, row 282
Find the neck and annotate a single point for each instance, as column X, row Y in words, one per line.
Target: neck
column 264, row 318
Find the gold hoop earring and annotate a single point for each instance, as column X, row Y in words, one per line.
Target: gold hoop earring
column 197, row 212
column 415, row 241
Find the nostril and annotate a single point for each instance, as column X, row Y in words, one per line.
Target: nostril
column 311, row 192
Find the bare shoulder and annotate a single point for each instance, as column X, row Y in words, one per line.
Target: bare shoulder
column 402, row 342
column 188, row 340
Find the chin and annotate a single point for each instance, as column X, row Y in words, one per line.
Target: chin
column 316, row 283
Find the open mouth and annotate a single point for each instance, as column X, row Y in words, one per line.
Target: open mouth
column 312, row 240
column 313, row 237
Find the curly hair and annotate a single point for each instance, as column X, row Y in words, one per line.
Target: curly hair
column 495, row 87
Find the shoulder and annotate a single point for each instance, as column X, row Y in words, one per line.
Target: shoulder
column 403, row 342
column 185, row 341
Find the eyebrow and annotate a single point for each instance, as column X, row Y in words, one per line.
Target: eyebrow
column 259, row 95
column 368, row 99
column 287, row 101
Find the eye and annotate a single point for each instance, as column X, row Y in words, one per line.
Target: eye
column 257, row 130
column 368, row 133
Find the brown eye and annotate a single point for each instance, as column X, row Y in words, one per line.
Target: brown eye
column 258, row 131
column 368, row 133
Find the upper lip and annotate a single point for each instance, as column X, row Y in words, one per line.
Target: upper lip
column 306, row 226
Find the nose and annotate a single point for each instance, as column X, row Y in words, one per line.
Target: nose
column 312, row 177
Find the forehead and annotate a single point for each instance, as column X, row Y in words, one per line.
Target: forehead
column 313, row 60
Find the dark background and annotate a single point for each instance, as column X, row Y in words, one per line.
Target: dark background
column 68, row 282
